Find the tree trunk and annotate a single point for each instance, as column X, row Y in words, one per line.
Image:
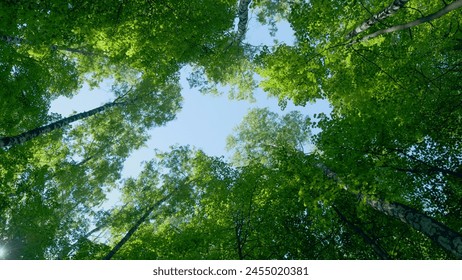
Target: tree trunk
column 445, row 237
column 134, row 228
column 436, row 231
column 239, row 243
column 451, row 7
column 31, row 134
column 243, row 14
column 373, row 243
column 387, row 12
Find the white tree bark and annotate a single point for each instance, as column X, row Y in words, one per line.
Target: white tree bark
column 447, row 238
column 451, row 7
column 387, row 12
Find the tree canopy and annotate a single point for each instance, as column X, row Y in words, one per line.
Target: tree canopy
column 378, row 177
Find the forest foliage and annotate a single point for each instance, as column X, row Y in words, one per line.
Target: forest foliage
column 380, row 179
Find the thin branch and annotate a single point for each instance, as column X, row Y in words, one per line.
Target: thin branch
column 382, row 70
column 428, row 167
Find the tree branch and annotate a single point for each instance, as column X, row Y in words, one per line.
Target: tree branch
column 387, row 12
column 451, row 7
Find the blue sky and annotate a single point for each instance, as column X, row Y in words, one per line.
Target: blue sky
column 205, row 121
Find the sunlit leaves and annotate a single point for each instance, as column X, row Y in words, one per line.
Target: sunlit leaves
column 394, row 132
column 262, row 131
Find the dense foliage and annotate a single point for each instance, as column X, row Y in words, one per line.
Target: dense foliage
column 380, row 179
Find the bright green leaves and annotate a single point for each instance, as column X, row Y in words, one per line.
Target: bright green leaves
column 48, row 50
column 226, row 66
column 323, row 64
column 214, row 211
column 394, row 132
column 270, row 12
column 288, row 74
column 81, row 167
column 262, row 131
column 29, row 85
column 387, row 94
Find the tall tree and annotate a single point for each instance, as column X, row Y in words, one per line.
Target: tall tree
column 224, row 213
column 164, row 102
column 321, row 65
column 49, row 50
column 395, row 117
column 377, row 248
column 305, row 170
column 133, row 229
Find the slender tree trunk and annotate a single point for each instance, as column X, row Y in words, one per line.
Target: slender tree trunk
column 451, row 7
column 387, row 12
column 31, row 134
column 67, row 250
column 373, row 243
column 134, row 228
column 239, row 244
column 445, row 237
column 243, row 14
column 436, row 231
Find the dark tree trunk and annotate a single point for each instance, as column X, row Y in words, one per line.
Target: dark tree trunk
column 31, row 134
column 134, row 228
column 373, row 243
